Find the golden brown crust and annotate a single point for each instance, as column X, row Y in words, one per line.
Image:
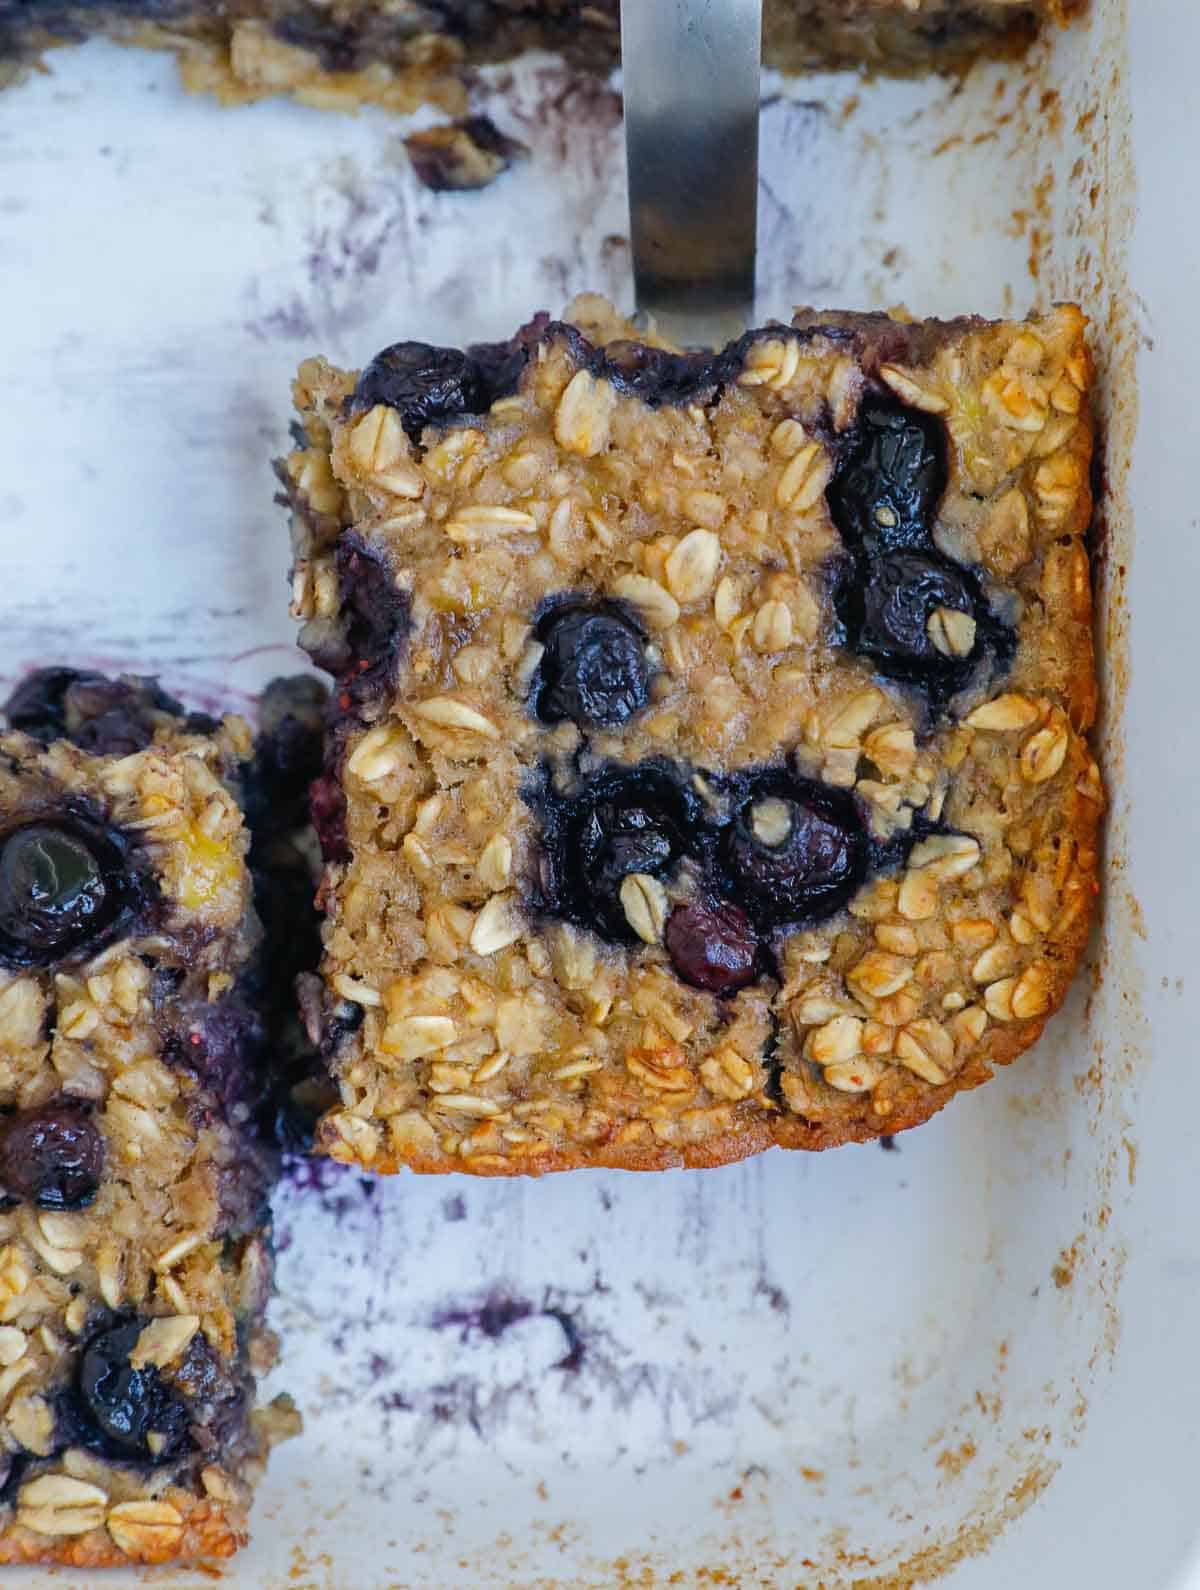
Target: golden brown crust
column 492, row 1040
column 205, row 1532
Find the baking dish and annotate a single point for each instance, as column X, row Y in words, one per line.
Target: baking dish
column 972, row 1355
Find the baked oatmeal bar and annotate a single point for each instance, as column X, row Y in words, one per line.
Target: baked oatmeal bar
column 708, row 766
column 135, row 1260
column 351, row 52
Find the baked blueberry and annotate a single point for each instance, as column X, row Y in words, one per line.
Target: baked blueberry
column 362, row 648
column 423, row 384
column 38, row 704
column 52, row 1156
column 915, row 615
column 53, row 891
column 885, row 492
column 639, row 819
column 500, row 363
column 662, row 378
column 128, row 1413
column 105, row 717
column 594, row 670
column 712, row 945
column 795, row 851
column 376, row 611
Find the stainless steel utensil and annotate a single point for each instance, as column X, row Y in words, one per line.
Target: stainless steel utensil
column 691, row 74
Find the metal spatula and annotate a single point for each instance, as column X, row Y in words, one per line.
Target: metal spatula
column 691, row 72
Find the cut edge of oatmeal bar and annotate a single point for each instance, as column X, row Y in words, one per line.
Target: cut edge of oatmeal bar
column 880, row 1015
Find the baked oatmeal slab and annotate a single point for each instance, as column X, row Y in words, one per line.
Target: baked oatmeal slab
column 135, row 1259
column 352, row 52
column 708, row 764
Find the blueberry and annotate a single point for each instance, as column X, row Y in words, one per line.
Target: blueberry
column 795, row 851
column 712, row 946
column 52, row 1156
column 53, row 893
column 639, row 819
column 38, row 705
column 619, row 839
column 375, row 618
column 594, row 670
column 132, row 1413
column 889, row 483
column 888, row 612
column 425, row 385
column 106, row 717
column 116, row 717
column 69, row 882
column 630, row 833
column 660, row 378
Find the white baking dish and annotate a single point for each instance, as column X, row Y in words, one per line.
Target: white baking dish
column 978, row 1351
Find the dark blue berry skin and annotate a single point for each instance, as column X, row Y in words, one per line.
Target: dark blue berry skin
column 52, row 1156
column 53, row 894
column 118, row 1408
column 883, row 499
column 594, row 671
column 625, row 819
column 38, row 704
column 713, row 946
column 425, row 385
column 105, row 717
column 68, row 885
column 889, row 484
column 648, row 818
column 432, row 386
column 813, row 872
column 887, row 614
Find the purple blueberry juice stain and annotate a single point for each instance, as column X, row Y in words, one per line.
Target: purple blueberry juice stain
column 772, row 1293
column 499, row 1313
column 339, row 1191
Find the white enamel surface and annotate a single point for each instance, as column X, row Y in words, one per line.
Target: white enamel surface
column 795, row 1369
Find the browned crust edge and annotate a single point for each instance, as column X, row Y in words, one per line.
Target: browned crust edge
column 210, row 1532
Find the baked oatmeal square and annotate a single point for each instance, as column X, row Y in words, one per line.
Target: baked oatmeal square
column 708, row 764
